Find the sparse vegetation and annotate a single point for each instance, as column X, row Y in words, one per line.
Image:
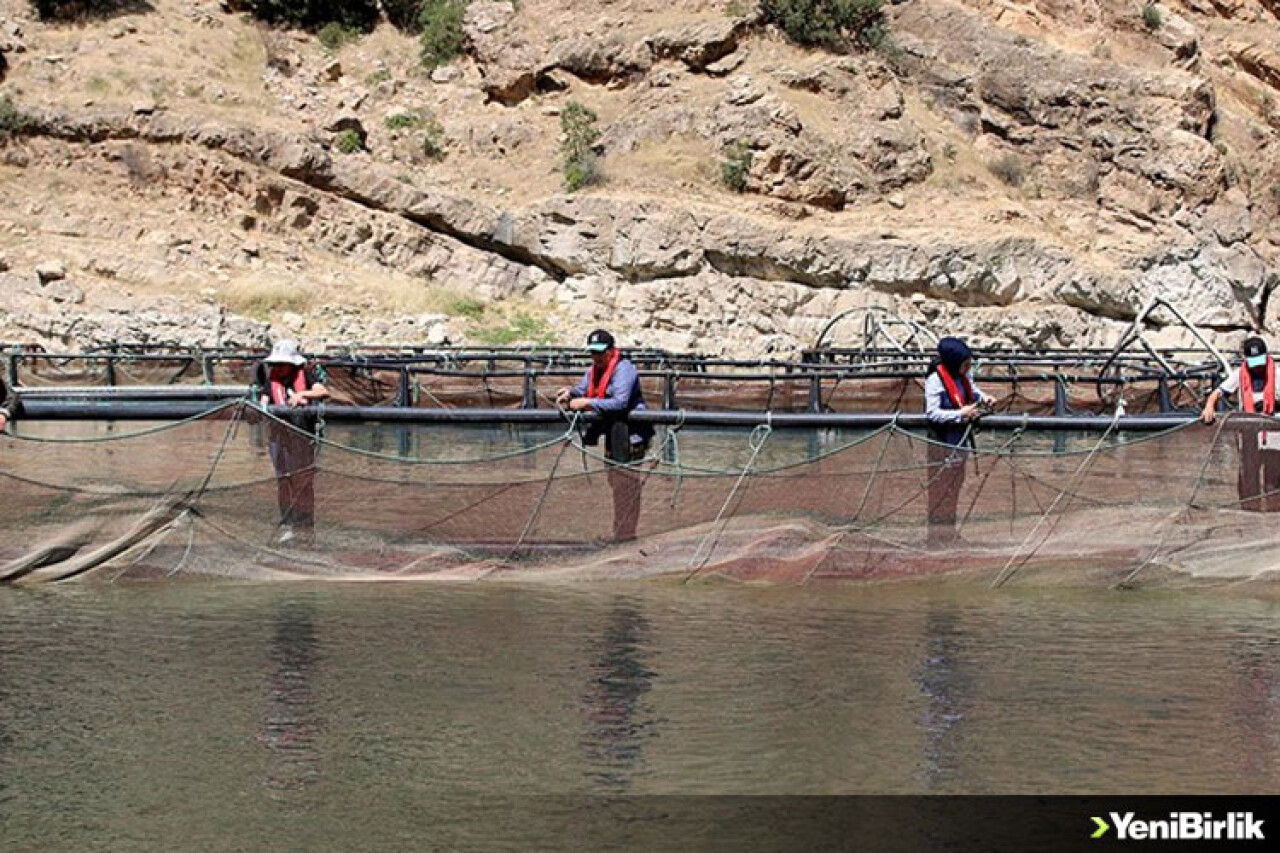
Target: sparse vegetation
column 736, row 9
column 12, row 120
column 432, row 139
column 1152, row 16
column 829, row 23
column 402, row 121
column 334, row 35
column 441, row 38
column 348, row 142
column 736, row 166
column 1009, row 169
column 143, row 172
column 432, row 131
column 263, row 300
column 521, row 328
column 382, row 75
column 577, row 146
column 461, row 305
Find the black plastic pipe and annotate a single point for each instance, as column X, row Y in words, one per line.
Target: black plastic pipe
column 38, row 409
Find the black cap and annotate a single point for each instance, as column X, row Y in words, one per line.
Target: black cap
column 599, row 340
column 1254, row 347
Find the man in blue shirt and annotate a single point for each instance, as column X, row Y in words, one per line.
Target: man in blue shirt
column 611, row 389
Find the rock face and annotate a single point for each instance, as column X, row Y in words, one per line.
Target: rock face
column 1021, row 173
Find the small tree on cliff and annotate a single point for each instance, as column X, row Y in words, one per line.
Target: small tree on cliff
column 579, row 135
column 828, row 23
column 440, row 31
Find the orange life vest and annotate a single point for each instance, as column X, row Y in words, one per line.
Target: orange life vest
column 1268, row 393
column 598, row 386
column 953, row 390
column 279, row 393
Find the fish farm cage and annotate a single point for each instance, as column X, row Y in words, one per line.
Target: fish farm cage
column 833, row 381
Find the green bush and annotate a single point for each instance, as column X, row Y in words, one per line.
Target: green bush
column 334, row 35
column 441, row 38
column 522, row 328
column 1008, row 169
column 432, row 139
column 580, row 134
column 12, row 120
column 736, row 167
column 402, row 121
column 1152, row 17
column 348, row 142
column 828, row 23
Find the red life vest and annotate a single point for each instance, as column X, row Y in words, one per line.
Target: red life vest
column 279, row 393
column 953, row 391
column 1268, row 393
column 598, row 386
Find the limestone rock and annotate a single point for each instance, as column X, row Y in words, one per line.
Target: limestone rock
column 699, row 44
column 64, row 292
column 51, row 271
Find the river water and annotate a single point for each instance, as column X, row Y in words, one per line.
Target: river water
column 342, row 717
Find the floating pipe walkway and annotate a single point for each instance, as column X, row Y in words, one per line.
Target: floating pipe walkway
column 51, row 410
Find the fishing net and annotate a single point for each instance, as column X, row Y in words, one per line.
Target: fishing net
column 239, row 493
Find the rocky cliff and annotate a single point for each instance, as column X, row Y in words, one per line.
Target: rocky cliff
column 1021, row 172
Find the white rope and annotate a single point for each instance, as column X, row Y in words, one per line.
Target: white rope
column 1009, row 569
column 1127, row 581
column 759, row 436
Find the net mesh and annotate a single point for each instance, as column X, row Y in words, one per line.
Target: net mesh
column 238, row 493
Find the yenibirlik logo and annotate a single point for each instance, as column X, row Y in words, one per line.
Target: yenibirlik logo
column 1183, row 826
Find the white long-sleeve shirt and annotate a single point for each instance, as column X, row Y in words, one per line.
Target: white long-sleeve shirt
column 935, row 398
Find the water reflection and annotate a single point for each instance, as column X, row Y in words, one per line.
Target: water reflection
column 945, row 683
column 620, row 719
column 1255, row 704
column 290, row 724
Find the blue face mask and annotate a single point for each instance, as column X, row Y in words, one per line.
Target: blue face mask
column 1255, row 361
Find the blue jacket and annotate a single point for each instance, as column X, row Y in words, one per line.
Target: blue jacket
column 622, row 397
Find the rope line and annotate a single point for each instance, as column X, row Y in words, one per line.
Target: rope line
column 758, row 437
column 1009, row 569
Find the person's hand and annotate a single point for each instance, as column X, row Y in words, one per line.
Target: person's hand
column 969, row 412
column 4, row 423
column 579, row 404
column 1208, row 416
column 563, row 395
column 296, row 400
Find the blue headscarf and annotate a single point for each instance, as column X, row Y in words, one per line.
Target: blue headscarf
column 953, row 352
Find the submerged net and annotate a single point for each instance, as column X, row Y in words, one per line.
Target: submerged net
column 202, row 498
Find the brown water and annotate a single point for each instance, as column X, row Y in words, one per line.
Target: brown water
column 356, row 717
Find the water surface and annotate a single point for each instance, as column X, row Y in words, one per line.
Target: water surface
column 187, row 716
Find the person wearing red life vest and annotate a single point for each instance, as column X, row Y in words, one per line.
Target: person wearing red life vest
column 953, row 404
column 611, row 389
column 5, row 414
column 283, row 379
column 1253, row 384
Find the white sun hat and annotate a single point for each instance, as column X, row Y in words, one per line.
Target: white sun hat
column 286, row 352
